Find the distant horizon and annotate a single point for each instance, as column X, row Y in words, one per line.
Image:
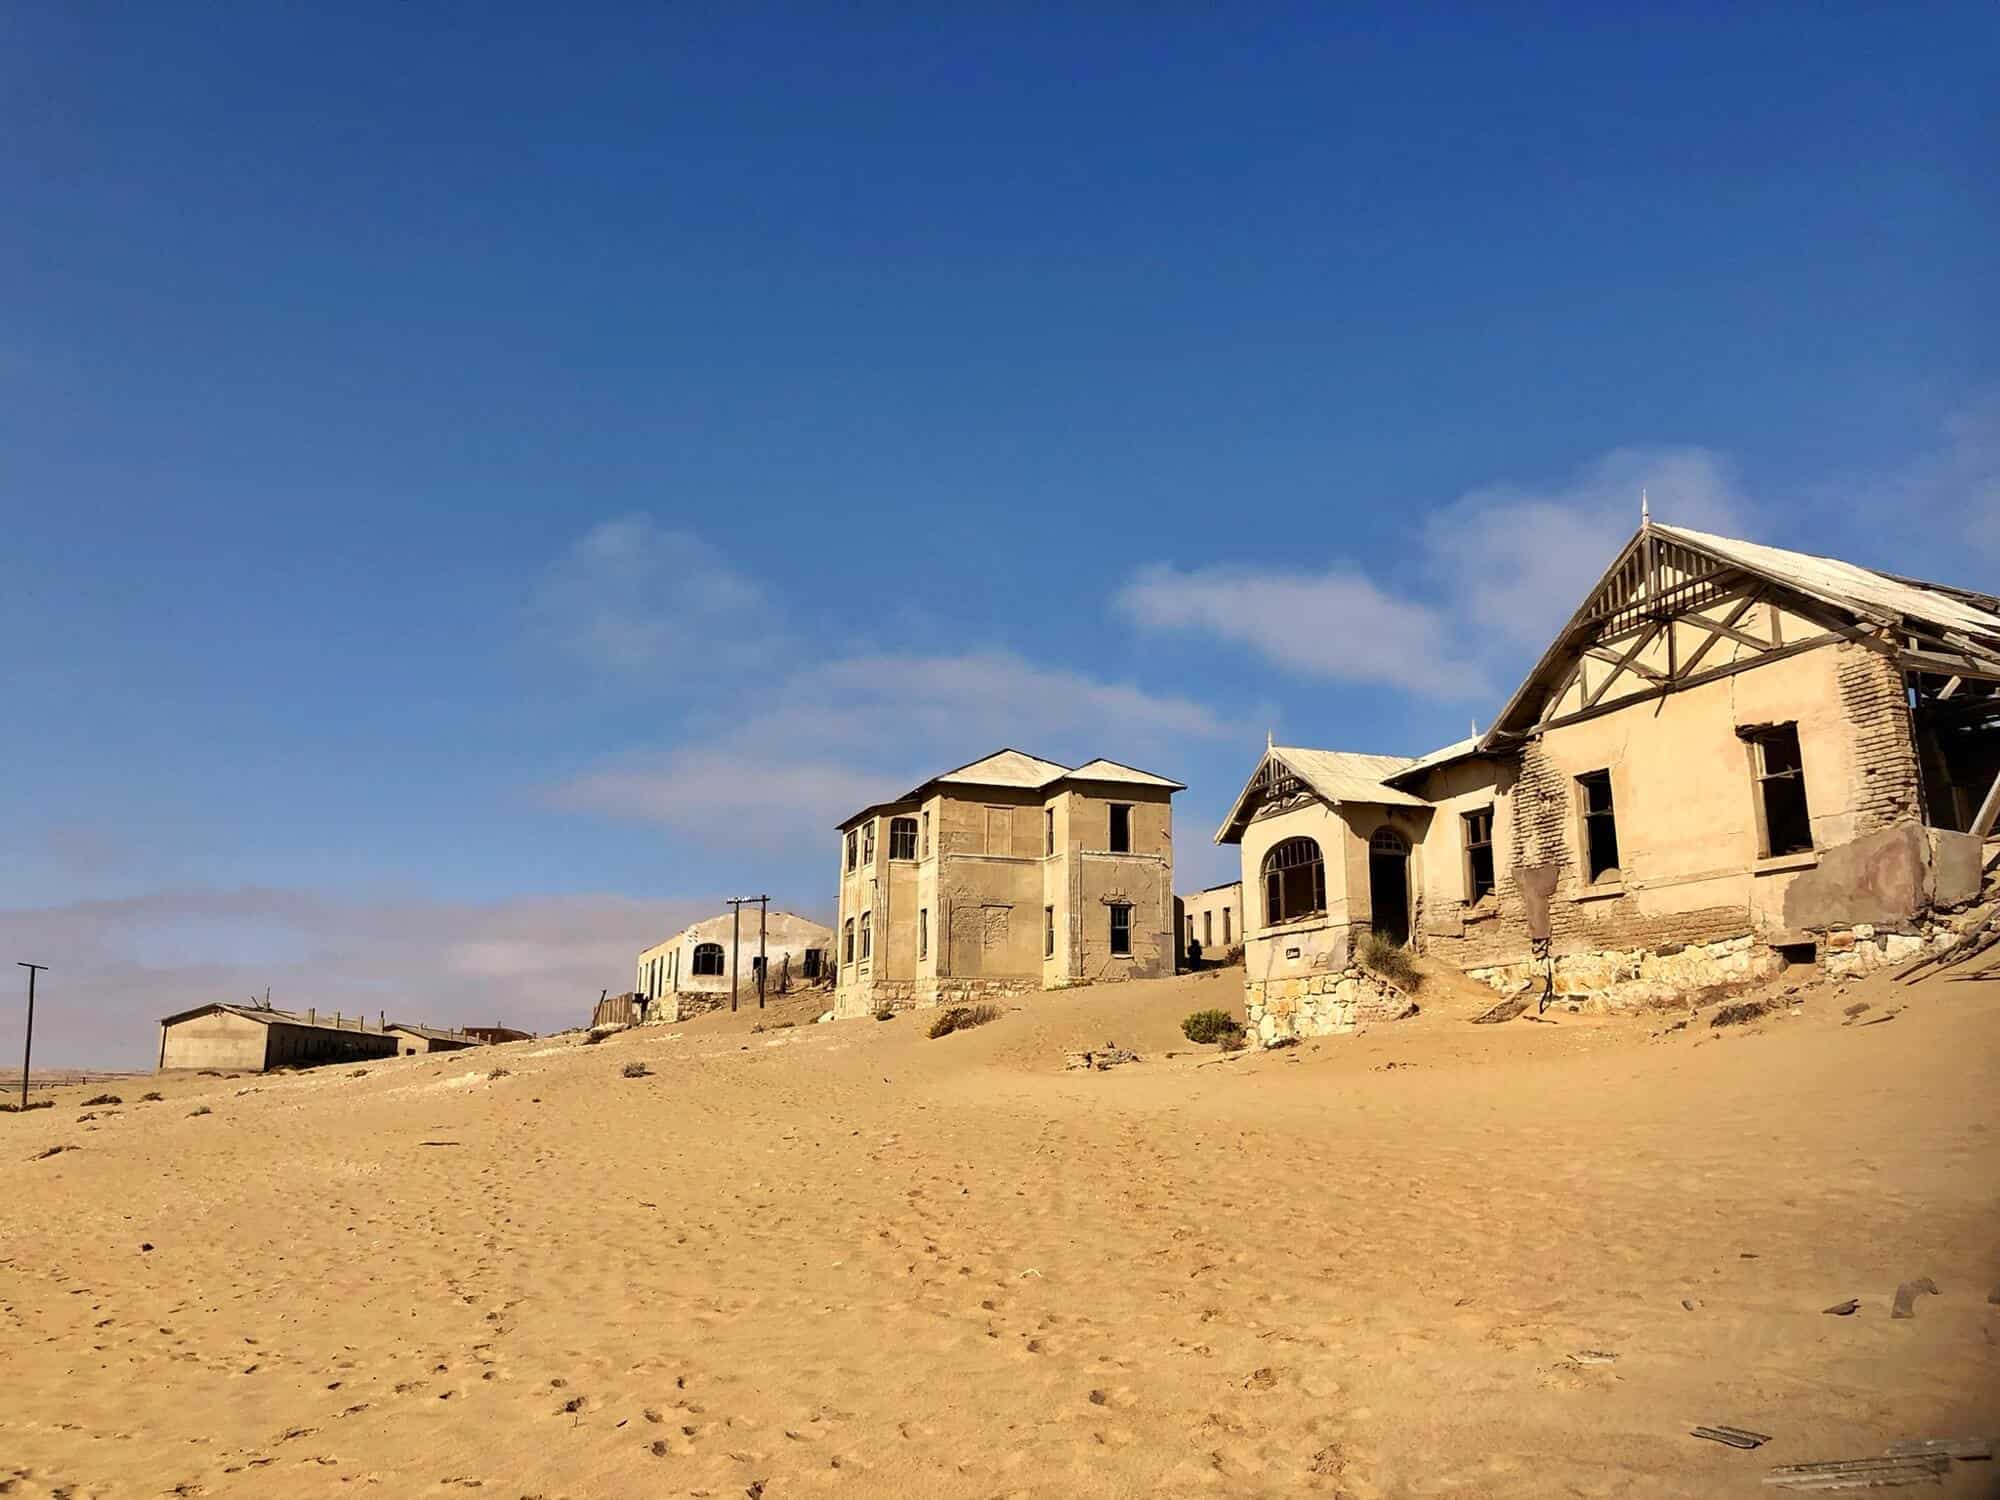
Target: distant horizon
column 479, row 497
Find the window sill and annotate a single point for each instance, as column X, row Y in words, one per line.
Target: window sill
column 1483, row 910
column 1604, row 892
column 1310, row 923
column 1777, row 864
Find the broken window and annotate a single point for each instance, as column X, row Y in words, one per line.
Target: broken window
column 850, row 848
column 1048, row 830
column 708, row 958
column 1294, row 882
column 1478, row 828
column 809, row 965
column 1600, row 827
column 923, row 931
column 902, row 838
column 1121, row 930
column 868, row 842
column 927, row 833
column 867, row 926
column 1208, row 929
column 1225, row 927
column 847, row 947
column 1121, row 828
column 1781, row 789
column 1048, row 932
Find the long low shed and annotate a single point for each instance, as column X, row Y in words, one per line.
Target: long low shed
column 250, row 1039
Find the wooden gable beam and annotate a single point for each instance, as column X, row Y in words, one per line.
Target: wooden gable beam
column 1714, row 630
column 1622, row 664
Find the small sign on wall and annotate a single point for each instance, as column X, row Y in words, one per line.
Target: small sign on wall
column 1291, row 953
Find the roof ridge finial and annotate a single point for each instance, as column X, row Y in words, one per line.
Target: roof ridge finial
column 1645, row 511
column 1270, row 739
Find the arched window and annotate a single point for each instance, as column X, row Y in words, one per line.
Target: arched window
column 707, row 959
column 847, row 941
column 902, row 838
column 1294, row 882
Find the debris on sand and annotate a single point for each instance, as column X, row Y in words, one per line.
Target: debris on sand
column 1506, row 1010
column 1593, row 1357
column 1110, row 1055
column 1735, row 1437
column 1859, row 1473
column 1746, row 1010
column 1907, row 1294
column 1969, row 1448
column 1843, row 1309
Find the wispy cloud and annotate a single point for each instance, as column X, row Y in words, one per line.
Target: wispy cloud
column 630, row 596
column 1499, row 568
column 1333, row 624
column 858, row 729
column 116, row 967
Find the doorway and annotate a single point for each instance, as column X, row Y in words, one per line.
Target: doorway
column 1389, row 885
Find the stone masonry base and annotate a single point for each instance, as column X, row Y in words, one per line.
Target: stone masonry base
column 1319, row 1004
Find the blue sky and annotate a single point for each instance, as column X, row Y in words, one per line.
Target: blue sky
column 482, row 484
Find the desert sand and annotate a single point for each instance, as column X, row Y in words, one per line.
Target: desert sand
column 845, row 1259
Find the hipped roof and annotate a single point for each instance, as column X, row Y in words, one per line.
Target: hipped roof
column 1021, row 771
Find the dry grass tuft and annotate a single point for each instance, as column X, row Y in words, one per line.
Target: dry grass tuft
column 200, row 1109
column 1391, row 960
column 103, row 1099
column 636, row 1069
column 1212, row 1026
column 964, row 1018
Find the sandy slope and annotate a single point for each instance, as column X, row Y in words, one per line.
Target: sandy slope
column 844, row 1259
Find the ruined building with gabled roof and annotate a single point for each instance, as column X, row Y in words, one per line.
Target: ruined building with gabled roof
column 1730, row 756
column 1009, row 874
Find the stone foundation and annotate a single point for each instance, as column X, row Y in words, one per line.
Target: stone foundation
column 1320, row 1004
column 924, row 994
column 1620, row 979
column 1862, row 949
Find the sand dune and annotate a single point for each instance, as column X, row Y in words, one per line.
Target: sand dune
column 845, row 1259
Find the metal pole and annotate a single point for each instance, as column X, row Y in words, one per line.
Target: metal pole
column 28, row 1053
column 763, row 911
column 735, row 947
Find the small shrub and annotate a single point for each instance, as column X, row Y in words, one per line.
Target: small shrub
column 200, row 1109
column 499, row 1073
column 636, row 1069
column 1232, row 1041
column 1736, row 1015
column 1391, row 960
column 103, row 1099
column 153, row 1098
column 18, row 1109
column 963, row 1018
column 1211, row 1026
column 592, row 1038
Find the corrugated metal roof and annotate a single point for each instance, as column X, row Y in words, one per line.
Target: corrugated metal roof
column 432, row 1033
column 269, row 1017
column 1845, row 584
column 1455, row 751
column 1334, row 776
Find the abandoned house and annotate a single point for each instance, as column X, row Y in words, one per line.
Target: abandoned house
column 1732, row 756
column 413, row 1040
column 1009, row 874
column 251, row 1039
column 1212, row 918
column 692, row 971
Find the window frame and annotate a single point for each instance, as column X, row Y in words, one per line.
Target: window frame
column 1276, row 910
column 847, row 940
column 1764, row 780
column 1612, row 872
column 853, row 844
column 923, row 932
column 721, row 961
column 897, row 827
column 1112, row 843
column 1226, row 939
column 868, row 842
column 1048, row 831
column 926, row 848
column 1116, row 909
column 1471, row 849
column 1048, row 932
column 867, row 936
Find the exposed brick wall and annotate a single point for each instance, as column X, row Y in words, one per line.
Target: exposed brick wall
column 1541, row 810
column 1872, row 695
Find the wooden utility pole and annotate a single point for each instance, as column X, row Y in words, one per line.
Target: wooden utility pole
column 28, row 1053
column 736, row 905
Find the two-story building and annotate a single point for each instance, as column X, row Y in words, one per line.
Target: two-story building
column 1733, row 756
column 1009, row 874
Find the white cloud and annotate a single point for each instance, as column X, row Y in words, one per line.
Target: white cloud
column 862, row 729
column 536, row 962
column 630, row 596
column 1515, row 561
column 1333, row 624
column 1503, row 565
